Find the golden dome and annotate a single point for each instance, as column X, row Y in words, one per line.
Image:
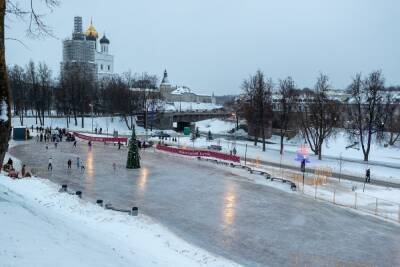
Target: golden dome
column 91, row 31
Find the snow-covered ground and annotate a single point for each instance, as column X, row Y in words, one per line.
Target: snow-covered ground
column 215, row 126
column 42, row 227
column 190, row 106
column 333, row 149
column 108, row 124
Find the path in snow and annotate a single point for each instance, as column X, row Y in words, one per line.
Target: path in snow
column 220, row 210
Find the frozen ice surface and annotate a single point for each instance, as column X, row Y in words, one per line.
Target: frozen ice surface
column 221, row 211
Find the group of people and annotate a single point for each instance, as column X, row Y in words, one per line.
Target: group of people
column 100, row 131
column 47, row 135
column 9, row 167
column 79, row 164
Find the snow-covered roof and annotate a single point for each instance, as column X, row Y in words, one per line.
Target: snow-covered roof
column 181, row 90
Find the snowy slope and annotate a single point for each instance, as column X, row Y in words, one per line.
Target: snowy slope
column 216, row 126
column 41, row 227
column 108, row 124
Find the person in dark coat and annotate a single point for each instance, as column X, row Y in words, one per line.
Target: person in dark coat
column 69, row 163
column 368, row 176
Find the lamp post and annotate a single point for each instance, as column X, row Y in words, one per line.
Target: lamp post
column 91, row 106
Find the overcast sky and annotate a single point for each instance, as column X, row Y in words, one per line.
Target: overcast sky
column 212, row 45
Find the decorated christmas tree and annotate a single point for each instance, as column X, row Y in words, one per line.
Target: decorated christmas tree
column 133, row 161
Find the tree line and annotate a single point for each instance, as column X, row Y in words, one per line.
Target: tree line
column 76, row 94
column 369, row 114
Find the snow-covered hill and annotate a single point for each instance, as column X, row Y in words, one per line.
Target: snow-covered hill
column 42, row 227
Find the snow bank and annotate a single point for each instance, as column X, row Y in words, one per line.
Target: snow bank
column 216, row 126
column 41, row 227
column 190, row 106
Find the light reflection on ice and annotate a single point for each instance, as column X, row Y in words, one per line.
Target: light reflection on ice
column 228, row 212
column 144, row 173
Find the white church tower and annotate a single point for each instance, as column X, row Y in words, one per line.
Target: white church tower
column 104, row 61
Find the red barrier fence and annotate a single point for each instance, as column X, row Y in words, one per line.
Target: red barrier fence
column 199, row 153
column 101, row 139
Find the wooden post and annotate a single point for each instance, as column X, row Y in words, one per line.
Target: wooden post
column 355, row 200
column 315, row 196
column 334, row 195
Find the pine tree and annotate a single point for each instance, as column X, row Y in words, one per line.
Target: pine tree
column 133, row 161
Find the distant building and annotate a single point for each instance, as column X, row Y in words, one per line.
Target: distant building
column 181, row 93
column 82, row 49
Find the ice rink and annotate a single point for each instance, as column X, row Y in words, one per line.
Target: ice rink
column 220, row 210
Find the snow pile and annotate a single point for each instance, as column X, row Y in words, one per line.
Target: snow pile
column 216, row 126
column 42, row 227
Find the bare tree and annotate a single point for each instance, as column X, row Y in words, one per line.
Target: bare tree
column 117, row 98
column 147, row 93
column 257, row 102
column 320, row 116
column 19, row 91
column 392, row 124
column 78, row 81
column 45, row 90
column 287, row 105
column 36, row 26
column 366, row 116
column 32, row 82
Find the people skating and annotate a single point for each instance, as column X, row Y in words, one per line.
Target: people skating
column 78, row 162
column 82, row 166
column 75, row 143
column 114, row 165
column 50, row 166
column 69, row 163
column 41, row 137
column 95, row 130
column 119, row 145
column 55, row 145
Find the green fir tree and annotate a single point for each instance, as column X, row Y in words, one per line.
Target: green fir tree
column 133, row 161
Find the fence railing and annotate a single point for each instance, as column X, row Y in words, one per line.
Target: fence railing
column 319, row 187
